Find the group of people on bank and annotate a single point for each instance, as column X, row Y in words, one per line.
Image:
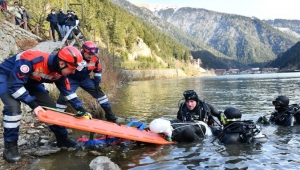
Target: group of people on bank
column 62, row 22
column 18, row 13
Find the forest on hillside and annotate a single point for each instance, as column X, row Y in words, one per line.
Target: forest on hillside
column 113, row 28
column 289, row 60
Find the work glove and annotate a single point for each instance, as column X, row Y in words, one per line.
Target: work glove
column 81, row 113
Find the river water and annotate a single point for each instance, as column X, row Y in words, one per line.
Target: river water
column 147, row 100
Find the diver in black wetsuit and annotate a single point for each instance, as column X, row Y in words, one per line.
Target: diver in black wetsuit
column 187, row 127
column 284, row 114
column 237, row 131
column 195, row 109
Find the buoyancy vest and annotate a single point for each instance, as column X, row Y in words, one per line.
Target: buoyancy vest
column 201, row 112
column 238, row 131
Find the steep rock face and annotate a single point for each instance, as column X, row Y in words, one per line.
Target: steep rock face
column 139, row 49
column 291, row 27
column 242, row 38
column 15, row 39
column 148, row 16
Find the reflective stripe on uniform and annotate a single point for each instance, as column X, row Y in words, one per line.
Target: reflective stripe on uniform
column 71, row 96
column 98, row 74
column 12, row 118
column 103, row 99
column 45, row 76
column 90, row 64
column 19, row 92
column 11, row 124
column 19, row 55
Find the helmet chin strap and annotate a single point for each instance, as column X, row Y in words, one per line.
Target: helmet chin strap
column 84, row 58
column 59, row 69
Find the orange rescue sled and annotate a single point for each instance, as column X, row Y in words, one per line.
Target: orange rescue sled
column 101, row 127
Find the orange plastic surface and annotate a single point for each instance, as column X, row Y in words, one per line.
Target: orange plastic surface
column 101, row 127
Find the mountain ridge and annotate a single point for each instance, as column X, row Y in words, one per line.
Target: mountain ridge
column 242, row 38
column 232, row 36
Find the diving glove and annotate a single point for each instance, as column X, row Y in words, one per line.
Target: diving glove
column 263, row 120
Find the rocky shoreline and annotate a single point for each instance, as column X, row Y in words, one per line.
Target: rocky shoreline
column 31, row 133
column 36, row 140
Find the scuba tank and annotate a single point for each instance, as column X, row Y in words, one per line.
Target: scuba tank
column 241, row 131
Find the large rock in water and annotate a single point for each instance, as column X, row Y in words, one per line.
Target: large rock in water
column 102, row 163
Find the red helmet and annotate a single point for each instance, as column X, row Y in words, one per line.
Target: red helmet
column 90, row 47
column 72, row 56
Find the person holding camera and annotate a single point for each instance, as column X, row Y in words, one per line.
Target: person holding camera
column 61, row 17
column 69, row 23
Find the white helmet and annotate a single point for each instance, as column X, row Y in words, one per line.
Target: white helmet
column 161, row 126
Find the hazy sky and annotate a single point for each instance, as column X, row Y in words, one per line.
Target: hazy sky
column 263, row 9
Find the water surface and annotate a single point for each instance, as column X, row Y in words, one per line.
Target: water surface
column 252, row 94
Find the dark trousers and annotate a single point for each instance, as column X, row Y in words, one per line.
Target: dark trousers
column 12, row 113
column 53, row 27
column 87, row 85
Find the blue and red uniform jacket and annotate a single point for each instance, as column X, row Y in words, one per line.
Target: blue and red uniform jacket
column 34, row 67
column 92, row 65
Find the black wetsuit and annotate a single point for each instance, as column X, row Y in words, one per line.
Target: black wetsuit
column 286, row 116
column 202, row 112
column 181, row 128
column 238, row 132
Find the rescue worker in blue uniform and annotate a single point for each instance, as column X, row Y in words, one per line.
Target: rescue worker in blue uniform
column 284, row 114
column 91, row 85
column 21, row 78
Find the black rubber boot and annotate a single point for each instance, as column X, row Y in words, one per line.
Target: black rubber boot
column 11, row 153
column 65, row 141
column 109, row 115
